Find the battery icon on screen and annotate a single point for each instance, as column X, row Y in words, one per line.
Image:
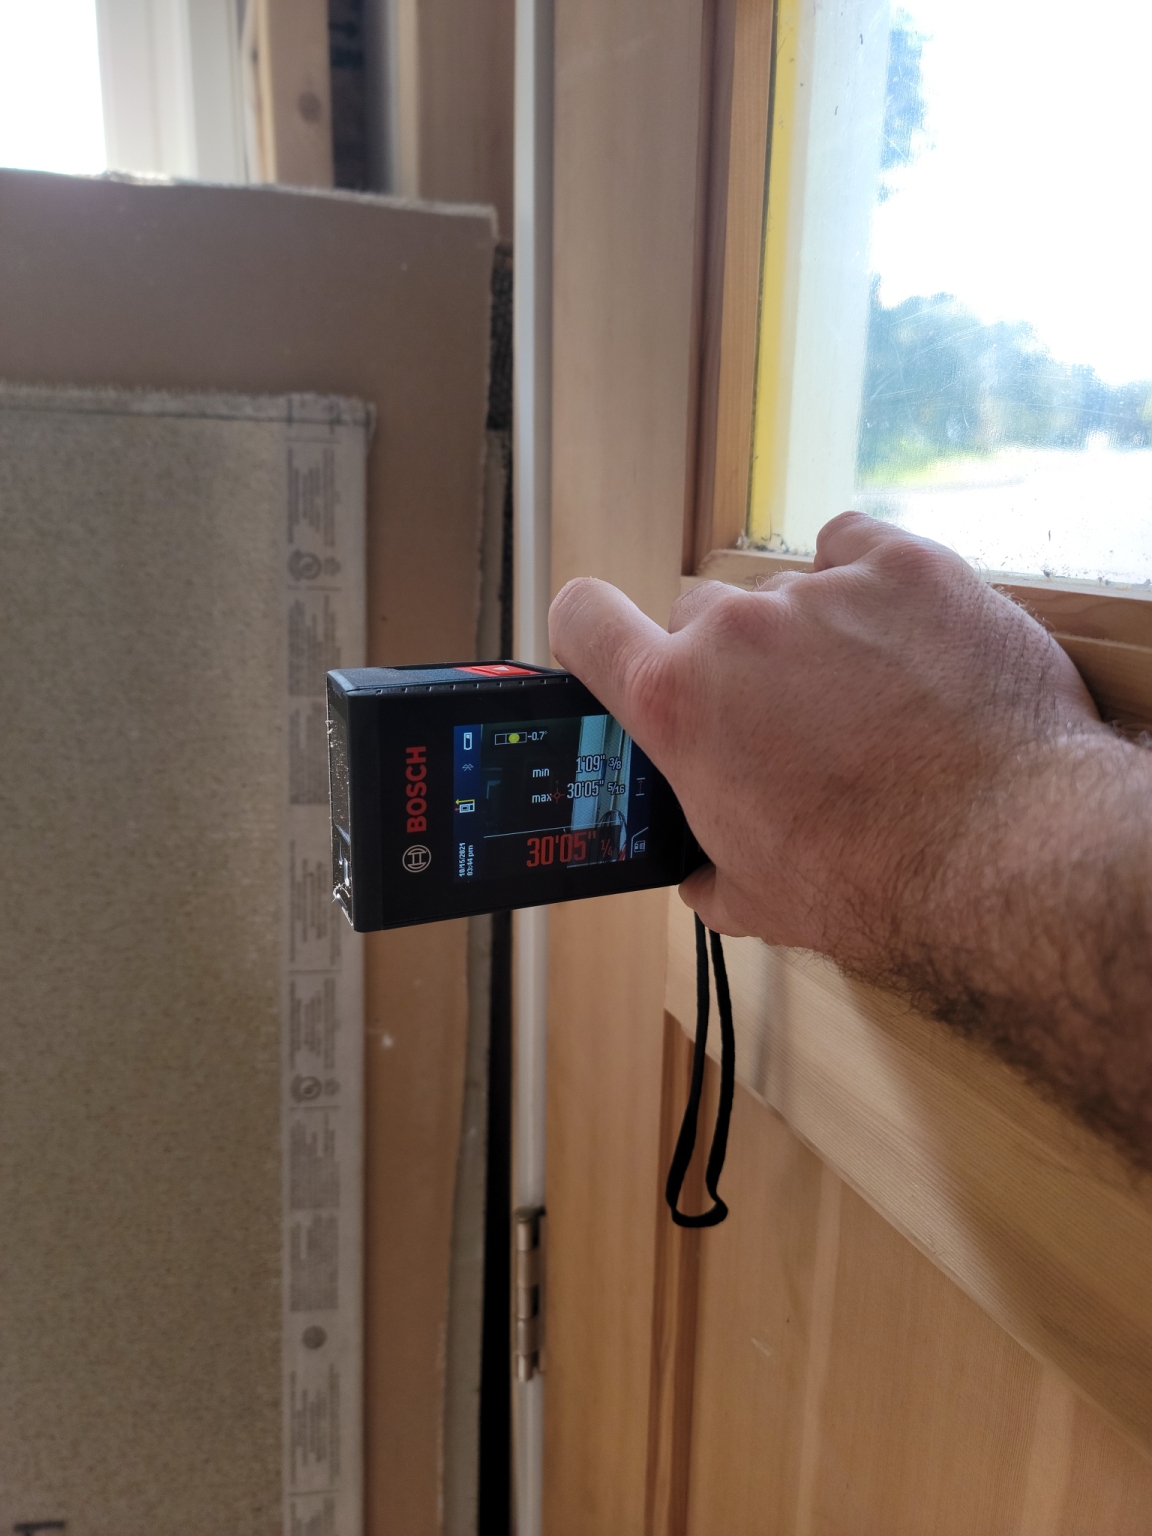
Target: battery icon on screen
column 467, row 741
column 515, row 738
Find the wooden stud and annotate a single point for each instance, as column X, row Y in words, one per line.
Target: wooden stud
column 293, row 106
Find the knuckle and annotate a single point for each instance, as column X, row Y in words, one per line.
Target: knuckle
column 915, row 561
column 690, row 603
column 842, row 523
column 739, row 619
column 842, row 520
column 681, row 611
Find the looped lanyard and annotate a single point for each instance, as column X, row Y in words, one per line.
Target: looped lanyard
column 686, row 1141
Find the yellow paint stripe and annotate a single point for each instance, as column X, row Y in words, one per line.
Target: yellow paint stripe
column 774, row 360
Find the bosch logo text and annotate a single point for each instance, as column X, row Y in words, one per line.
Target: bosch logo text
column 416, row 789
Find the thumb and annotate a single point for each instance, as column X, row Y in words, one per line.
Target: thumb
column 601, row 636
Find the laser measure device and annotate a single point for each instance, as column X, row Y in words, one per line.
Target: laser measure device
column 477, row 787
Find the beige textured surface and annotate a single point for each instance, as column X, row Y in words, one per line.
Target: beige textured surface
column 141, row 779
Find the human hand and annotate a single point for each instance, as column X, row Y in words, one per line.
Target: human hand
column 837, row 739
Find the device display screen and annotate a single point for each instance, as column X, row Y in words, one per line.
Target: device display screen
column 537, row 794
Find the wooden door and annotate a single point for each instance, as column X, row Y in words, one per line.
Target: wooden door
column 824, row 1363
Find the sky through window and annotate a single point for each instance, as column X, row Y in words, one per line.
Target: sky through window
column 50, row 108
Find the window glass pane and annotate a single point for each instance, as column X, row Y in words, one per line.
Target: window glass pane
column 50, row 110
column 990, row 311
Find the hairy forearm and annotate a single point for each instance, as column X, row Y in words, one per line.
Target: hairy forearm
column 1035, row 935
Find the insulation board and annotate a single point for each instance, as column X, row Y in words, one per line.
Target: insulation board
column 182, row 1006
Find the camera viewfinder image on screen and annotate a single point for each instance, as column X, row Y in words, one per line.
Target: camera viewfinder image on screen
column 540, row 793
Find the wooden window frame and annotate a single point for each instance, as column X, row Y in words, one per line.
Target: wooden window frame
column 1045, row 1226
column 1088, row 618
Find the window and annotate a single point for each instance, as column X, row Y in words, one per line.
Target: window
column 145, row 86
column 955, row 325
column 50, row 109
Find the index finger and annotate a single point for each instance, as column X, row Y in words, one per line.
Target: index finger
column 850, row 537
column 601, row 636
column 854, row 535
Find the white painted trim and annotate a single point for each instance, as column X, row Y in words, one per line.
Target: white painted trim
column 171, row 82
column 532, row 470
column 392, row 85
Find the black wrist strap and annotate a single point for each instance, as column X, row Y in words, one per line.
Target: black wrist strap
column 686, row 1141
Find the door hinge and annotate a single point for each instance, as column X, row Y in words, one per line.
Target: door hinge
column 528, row 1226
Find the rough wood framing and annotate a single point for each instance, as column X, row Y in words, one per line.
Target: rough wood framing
column 289, row 92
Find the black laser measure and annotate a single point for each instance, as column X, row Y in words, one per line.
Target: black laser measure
column 477, row 787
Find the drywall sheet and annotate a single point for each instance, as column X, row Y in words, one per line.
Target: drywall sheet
column 180, row 1106
column 271, row 290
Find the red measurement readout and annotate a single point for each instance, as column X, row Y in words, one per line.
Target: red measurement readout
column 571, row 847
